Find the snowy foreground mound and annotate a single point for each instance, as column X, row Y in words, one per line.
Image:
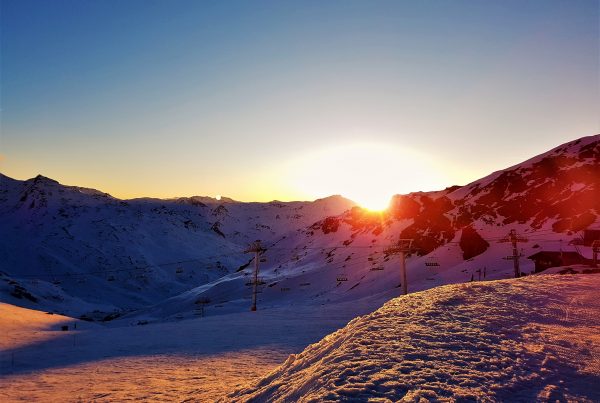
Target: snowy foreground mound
column 535, row 338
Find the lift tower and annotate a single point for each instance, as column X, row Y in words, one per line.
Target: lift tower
column 256, row 248
column 401, row 248
column 514, row 239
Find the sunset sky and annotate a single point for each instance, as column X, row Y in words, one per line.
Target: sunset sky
column 261, row 100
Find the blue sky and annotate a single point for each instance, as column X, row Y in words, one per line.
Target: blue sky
column 232, row 97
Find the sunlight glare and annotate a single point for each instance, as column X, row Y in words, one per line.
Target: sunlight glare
column 367, row 173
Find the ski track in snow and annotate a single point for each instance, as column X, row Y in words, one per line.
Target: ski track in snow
column 532, row 339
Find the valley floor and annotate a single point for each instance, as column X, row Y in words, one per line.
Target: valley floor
column 197, row 360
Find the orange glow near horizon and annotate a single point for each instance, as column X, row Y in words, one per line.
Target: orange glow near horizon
column 375, row 204
column 367, row 173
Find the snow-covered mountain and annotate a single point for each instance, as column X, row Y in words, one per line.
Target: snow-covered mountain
column 519, row 340
column 78, row 250
column 554, row 192
column 548, row 200
column 83, row 250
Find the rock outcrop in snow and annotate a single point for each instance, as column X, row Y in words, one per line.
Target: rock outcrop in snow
column 558, row 190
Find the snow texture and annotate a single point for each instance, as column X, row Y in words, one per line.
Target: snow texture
column 529, row 339
column 139, row 268
column 189, row 360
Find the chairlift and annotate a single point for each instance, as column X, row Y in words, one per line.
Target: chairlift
column 179, row 270
column 432, row 262
column 376, row 268
column 343, row 276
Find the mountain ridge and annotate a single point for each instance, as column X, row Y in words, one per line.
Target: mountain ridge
column 146, row 252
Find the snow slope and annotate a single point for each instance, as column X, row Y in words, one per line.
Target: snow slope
column 190, row 360
column 534, row 338
column 76, row 250
column 456, row 232
column 21, row 326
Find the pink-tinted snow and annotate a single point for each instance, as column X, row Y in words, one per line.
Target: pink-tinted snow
column 530, row 339
column 198, row 360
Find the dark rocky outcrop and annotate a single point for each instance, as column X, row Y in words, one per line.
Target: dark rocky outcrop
column 471, row 243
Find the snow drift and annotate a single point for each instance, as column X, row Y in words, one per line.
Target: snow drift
column 535, row 338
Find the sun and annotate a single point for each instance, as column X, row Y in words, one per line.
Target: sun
column 374, row 203
column 367, row 173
